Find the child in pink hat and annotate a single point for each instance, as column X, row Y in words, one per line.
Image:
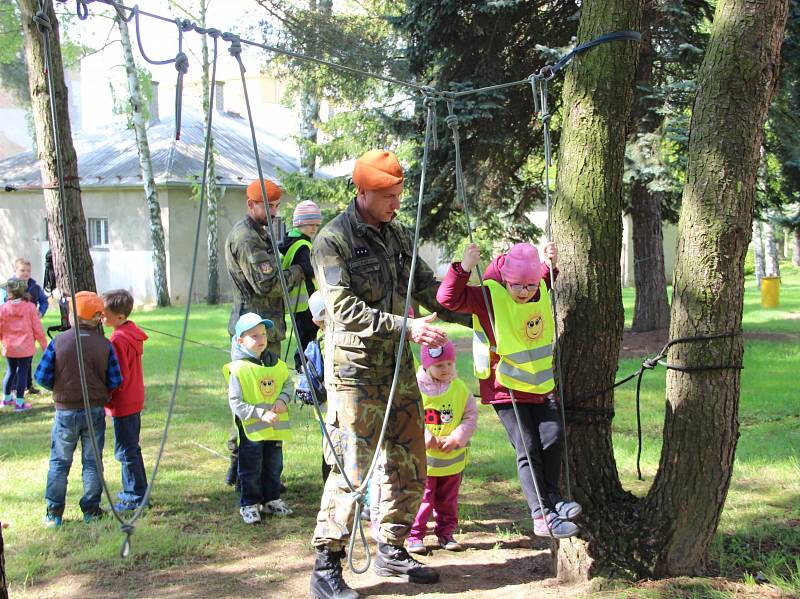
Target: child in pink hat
column 450, row 419
column 517, row 357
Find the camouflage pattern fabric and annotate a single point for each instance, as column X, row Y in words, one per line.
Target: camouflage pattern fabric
column 355, row 415
column 363, row 273
column 252, row 267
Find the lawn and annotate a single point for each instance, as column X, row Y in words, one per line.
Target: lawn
column 194, row 519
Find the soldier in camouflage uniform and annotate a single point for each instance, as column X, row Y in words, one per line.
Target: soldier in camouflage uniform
column 362, row 262
column 253, row 266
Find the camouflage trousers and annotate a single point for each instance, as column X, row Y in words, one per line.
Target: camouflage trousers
column 354, row 419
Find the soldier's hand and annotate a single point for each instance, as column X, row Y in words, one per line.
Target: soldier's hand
column 420, row 331
column 471, row 257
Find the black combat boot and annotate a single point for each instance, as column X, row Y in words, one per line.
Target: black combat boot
column 393, row 560
column 326, row 580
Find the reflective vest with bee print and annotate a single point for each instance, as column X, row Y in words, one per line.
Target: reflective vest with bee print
column 261, row 386
column 524, row 337
column 443, row 413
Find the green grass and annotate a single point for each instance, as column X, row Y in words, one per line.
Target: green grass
column 194, row 516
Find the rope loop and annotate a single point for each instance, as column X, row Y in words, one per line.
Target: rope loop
column 42, row 21
column 213, row 33
column 82, row 9
column 546, row 73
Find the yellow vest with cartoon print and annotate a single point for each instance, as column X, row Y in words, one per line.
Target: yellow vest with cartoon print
column 261, row 386
column 298, row 297
column 443, row 413
column 524, row 337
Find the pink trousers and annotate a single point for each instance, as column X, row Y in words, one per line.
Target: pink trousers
column 441, row 499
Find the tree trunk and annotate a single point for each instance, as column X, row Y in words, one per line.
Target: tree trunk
column 587, row 225
column 701, row 422
column 146, row 166
column 651, row 311
column 40, row 105
column 772, row 266
column 758, row 250
column 212, row 190
column 796, row 252
column 310, row 100
column 3, row 581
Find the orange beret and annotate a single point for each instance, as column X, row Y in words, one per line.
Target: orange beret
column 274, row 192
column 377, row 169
column 88, row 304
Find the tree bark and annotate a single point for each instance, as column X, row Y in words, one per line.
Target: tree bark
column 82, row 265
column 146, row 166
column 587, row 227
column 651, row 310
column 758, row 250
column 796, row 252
column 212, row 190
column 734, row 88
column 772, row 265
column 3, row 581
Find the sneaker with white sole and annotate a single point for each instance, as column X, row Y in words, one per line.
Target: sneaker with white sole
column 416, row 546
column 558, row 527
column 450, row 544
column 250, row 514
column 567, row 510
column 277, row 507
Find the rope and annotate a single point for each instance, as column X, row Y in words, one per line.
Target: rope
column 200, row 343
column 452, row 122
column 236, row 50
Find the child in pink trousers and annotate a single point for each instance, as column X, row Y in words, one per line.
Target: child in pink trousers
column 20, row 329
column 450, row 419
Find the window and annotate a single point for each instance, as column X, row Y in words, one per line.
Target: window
column 97, row 232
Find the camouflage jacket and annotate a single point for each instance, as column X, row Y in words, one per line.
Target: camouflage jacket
column 363, row 273
column 253, row 268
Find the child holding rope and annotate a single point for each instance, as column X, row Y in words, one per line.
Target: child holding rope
column 518, row 359
column 20, row 329
column 450, row 419
column 259, row 389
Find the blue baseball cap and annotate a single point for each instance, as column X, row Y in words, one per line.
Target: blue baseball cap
column 248, row 321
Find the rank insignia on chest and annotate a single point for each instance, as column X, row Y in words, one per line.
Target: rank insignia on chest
column 361, row 252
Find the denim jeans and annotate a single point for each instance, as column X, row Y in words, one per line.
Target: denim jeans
column 260, row 468
column 68, row 427
column 129, row 455
column 16, row 378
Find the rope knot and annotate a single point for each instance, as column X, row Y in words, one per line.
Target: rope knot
column 452, row 121
column 429, row 102
column 650, row 363
column 236, row 45
column 185, row 25
column 546, row 73
column 181, row 63
column 213, row 33
column 545, row 118
column 42, row 21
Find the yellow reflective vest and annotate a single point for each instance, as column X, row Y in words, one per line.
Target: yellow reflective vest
column 298, row 297
column 524, row 338
column 443, row 413
column 261, row 386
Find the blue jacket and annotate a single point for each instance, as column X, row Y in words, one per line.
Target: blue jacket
column 38, row 295
column 314, row 356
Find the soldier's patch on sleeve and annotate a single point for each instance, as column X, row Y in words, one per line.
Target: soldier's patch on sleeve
column 265, row 267
column 333, row 274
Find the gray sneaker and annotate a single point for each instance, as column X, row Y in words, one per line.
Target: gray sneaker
column 554, row 526
column 567, row 510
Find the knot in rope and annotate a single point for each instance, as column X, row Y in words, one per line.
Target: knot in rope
column 236, row 44
column 650, row 363
column 545, row 118
column 452, row 121
column 185, row 24
column 181, row 63
column 546, row 73
column 127, row 529
column 42, row 21
column 212, row 32
column 429, row 102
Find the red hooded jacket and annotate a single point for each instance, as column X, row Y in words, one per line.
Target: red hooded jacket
column 128, row 341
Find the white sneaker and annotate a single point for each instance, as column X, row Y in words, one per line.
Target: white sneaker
column 277, row 507
column 250, row 514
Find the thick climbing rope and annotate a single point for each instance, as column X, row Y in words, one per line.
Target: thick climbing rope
column 127, row 526
column 430, row 97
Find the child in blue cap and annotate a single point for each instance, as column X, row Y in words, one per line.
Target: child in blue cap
column 259, row 389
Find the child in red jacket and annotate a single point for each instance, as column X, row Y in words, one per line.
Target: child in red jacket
column 127, row 400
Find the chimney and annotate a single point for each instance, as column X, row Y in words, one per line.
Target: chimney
column 219, row 96
column 153, row 108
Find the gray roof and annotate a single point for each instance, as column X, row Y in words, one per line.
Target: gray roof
column 109, row 157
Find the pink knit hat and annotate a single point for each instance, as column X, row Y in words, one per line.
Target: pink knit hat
column 306, row 213
column 522, row 265
column 431, row 355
